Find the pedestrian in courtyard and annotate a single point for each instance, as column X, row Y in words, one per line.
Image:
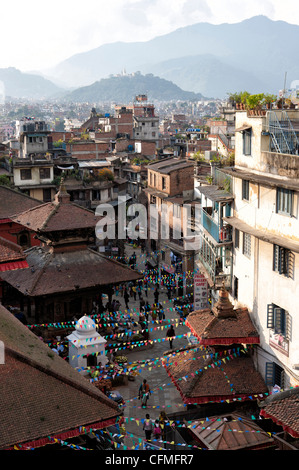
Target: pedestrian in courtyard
column 170, row 335
column 145, row 287
column 148, row 427
column 134, row 289
column 144, row 393
column 147, row 309
column 160, row 311
column 142, row 305
column 162, row 420
column 157, row 429
column 154, row 312
column 121, row 290
column 126, row 298
column 138, row 288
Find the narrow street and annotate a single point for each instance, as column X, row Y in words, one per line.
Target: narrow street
column 164, row 394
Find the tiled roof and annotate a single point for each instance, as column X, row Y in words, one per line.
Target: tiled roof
column 41, row 394
column 52, row 272
column 283, row 409
column 13, row 202
column 168, row 165
column 230, row 432
column 211, row 329
column 200, row 378
column 10, row 251
column 55, row 216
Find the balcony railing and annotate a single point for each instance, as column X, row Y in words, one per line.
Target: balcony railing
column 217, row 261
column 220, row 234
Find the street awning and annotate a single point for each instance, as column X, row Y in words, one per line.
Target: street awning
column 245, row 127
column 66, row 167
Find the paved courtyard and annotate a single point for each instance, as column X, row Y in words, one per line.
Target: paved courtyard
column 164, row 394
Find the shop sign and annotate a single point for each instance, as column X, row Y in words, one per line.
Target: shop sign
column 200, row 292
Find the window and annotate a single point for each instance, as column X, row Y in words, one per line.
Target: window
column 237, row 238
column 283, row 261
column 96, row 195
column 284, row 201
column 247, row 142
column 246, row 244
column 24, row 240
column 26, row 174
column 274, row 375
column 235, row 287
column 277, row 319
column 245, row 190
column 163, row 182
column 44, row 173
column 47, row 196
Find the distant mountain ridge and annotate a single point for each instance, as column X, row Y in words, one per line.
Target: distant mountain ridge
column 209, row 59
column 17, row 84
column 124, row 88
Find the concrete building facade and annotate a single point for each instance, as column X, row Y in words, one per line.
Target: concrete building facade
column 265, row 221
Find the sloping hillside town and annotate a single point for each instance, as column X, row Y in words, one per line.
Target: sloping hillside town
column 149, row 268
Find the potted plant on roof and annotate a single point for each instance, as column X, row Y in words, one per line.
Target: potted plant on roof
column 269, row 100
column 238, row 100
column 244, row 95
column 254, row 104
column 234, row 99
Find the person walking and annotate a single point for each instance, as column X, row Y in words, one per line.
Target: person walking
column 148, row 427
column 170, row 335
column 162, row 421
column 138, row 288
column 126, row 298
column 144, row 393
column 145, row 287
column 134, row 291
column 157, row 429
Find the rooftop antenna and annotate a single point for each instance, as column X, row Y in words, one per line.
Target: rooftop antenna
column 284, row 88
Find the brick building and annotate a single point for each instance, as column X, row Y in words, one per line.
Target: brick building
column 171, row 185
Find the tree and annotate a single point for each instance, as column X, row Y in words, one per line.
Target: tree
column 5, row 181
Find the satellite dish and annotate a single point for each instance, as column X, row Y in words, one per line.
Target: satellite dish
column 295, row 97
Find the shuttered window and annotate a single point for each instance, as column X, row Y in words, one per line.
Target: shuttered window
column 245, row 190
column 284, row 201
column 283, row 261
column 279, row 320
column 274, row 375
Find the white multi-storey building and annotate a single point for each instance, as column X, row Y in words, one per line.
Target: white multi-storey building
column 265, row 221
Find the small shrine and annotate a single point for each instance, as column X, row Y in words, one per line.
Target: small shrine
column 86, row 346
column 223, row 324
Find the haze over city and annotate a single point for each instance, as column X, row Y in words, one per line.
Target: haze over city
column 42, row 35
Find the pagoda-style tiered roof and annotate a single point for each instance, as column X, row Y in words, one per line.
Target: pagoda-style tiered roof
column 203, row 376
column 223, row 324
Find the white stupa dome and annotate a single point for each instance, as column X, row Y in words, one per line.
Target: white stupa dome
column 85, row 326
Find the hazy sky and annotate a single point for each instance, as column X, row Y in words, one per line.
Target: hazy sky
column 37, row 35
